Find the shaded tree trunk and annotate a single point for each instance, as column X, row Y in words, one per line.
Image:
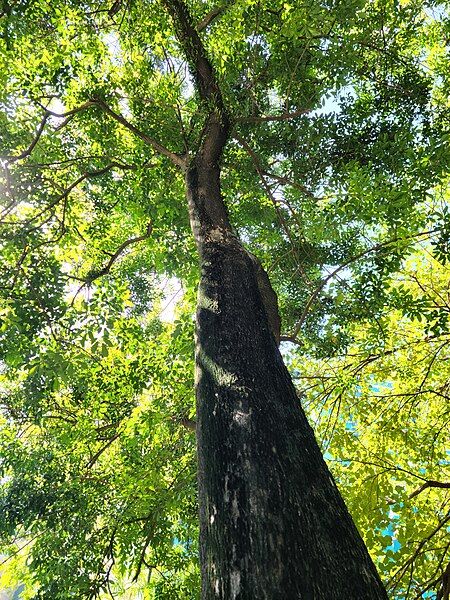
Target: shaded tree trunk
column 272, row 522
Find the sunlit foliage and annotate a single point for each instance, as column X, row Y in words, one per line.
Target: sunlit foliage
column 335, row 176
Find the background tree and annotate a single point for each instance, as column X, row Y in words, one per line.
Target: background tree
column 99, row 485
column 381, row 411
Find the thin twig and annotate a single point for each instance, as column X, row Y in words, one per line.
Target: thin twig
column 286, row 116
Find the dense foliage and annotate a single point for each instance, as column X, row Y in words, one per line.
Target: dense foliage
column 336, row 177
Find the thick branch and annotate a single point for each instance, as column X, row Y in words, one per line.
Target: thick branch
column 194, row 51
column 216, row 129
column 68, row 113
column 430, row 484
column 97, row 455
column 175, row 158
column 210, row 17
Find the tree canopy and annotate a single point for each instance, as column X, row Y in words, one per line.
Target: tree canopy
column 335, row 177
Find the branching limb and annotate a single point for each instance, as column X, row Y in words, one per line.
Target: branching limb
column 97, row 455
column 195, row 52
column 65, row 192
column 430, row 484
column 287, row 181
column 178, row 160
column 68, row 115
column 47, row 114
column 96, row 274
column 107, row 268
column 37, row 137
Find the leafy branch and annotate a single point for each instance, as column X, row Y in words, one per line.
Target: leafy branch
column 345, row 264
column 177, row 159
column 95, row 274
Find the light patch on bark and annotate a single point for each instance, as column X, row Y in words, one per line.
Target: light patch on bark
column 217, row 234
column 235, row 583
column 235, row 508
column 226, row 494
column 212, row 518
column 220, row 375
column 207, row 303
column 242, row 418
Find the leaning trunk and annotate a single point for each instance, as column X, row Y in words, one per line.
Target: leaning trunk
column 272, row 522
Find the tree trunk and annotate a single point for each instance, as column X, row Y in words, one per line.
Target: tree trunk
column 272, row 522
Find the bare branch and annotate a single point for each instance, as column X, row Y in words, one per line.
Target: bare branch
column 68, row 115
column 65, row 193
column 263, row 172
column 292, row 340
column 430, row 484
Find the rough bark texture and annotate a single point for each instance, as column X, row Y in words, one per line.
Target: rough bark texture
column 272, row 522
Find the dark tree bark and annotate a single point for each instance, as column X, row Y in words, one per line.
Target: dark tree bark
column 273, row 524
column 272, row 521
